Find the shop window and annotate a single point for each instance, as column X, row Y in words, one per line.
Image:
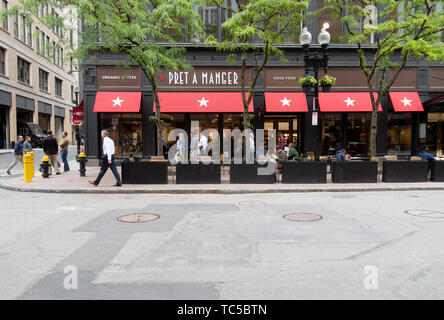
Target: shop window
column 126, row 131
column 23, row 68
column 43, row 80
column 399, row 133
column 358, row 133
column 335, row 28
column 330, row 133
column 2, row 61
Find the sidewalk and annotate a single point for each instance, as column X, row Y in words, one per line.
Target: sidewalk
column 71, row 182
column 3, row 151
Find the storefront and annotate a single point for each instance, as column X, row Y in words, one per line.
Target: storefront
column 25, row 109
column 5, row 105
column 45, row 112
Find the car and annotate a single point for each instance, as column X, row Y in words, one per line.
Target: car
column 34, row 131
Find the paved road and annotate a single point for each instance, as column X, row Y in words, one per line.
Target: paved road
column 222, row 247
column 7, row 158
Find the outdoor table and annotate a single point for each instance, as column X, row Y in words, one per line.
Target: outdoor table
column 200, row 173
column 354, row 171
column 144, row 172
column 437, row 171
column 405, row 171
column 304, row 171
column 248, row 174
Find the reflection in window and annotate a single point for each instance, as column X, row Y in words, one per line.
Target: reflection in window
column 399, row 133
column 358, row 133
column 330, row 133
column 335, row 29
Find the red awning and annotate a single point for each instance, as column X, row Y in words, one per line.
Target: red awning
column 205, row 102
column 285, row 102
column 117, row 101
column 406, row 101
column 346, row 102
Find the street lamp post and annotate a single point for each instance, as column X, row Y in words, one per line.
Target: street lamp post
column 76, row 92
column 315, row 62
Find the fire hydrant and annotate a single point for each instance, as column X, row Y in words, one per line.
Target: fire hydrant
column 81, row 158
column 45, row 166
column 27, row 167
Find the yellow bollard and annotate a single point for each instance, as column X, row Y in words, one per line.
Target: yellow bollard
column 32, row 159
column 27, row 167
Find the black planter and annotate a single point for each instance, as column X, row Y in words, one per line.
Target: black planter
column 248, row 173
column 326, row 87
column 304, row 172
column 307, row 88
column 198, row 173
column 354, row 172
column 437, row 171
column 405, row 171
column 144, row 172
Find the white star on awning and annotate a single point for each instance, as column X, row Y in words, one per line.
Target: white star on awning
column 285, row 102
column 406, row 102
column 349, row 102
column 117, row 102
column 203, row 102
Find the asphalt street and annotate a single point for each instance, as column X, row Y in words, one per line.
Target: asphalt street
column 368, row 245
column 7, row 158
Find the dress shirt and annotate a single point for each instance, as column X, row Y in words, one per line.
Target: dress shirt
column 108, row 147
column 203, row 141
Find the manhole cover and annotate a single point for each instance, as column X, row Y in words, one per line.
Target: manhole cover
column 425, row 213
column 252, row 203
column 302, row 217
column 138, row 217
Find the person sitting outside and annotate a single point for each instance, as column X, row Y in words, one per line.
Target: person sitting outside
column 260, row 151
column 340, row 155
column 292, row 152
column 424, row 154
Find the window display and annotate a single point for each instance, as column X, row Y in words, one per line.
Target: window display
column 399, row 133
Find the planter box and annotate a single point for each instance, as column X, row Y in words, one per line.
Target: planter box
column 304, row 172
column 247, row 173
column 354, row 172
column 405, row 171
column 437, row 171
column 144, row 172
column 197, row 173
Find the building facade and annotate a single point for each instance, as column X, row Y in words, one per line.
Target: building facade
column 121, row 101
column 36, row 85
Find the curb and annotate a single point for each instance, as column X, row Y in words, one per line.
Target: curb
column 6, row 186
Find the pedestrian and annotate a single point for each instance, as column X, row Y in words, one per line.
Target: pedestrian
column 27, row 147
column 64, row 151
column 50, row 148
column 181, row 147
column 18, row 154
column 281, row 141
column 107, row 160
column 340, row 155
column 293, row 154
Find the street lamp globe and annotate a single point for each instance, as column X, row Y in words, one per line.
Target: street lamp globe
column 324, row 36
column 305, row 37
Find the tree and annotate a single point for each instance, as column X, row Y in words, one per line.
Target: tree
column 253, row 34
column 145, row 30
column 389, row 32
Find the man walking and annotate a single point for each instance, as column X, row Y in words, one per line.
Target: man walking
column 64, row 151
column 27, row 147
column 18, row 154
column 50, row 148
column 107, row 160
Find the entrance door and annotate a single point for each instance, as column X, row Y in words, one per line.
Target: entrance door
column 3, row 128
column 288, row 126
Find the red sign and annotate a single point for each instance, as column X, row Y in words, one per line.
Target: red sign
column 77, row 122
column 406, row 101
column 107, row 101
column 77, row 114
column 285, row 102
column 203, row 102
column 346, row 102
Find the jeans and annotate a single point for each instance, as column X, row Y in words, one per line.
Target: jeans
column 64, row 155
column 104, row 168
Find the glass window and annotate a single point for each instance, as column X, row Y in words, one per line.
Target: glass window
column 23, row 70
column 43, row 80
column 58, row 87
column 358, row 133
column 330, row 132
column 23, row 29
column 37, row 40
column 209, row 18
column 5, row 21
column 227, row 14
column 16, row 25
column 2, row 61
column 47, row 44
column 171, row 121
column 29, row 34
column 125, row 129
column 335, row 28
column 399, row 133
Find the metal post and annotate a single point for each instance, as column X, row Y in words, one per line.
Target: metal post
column 77, row 127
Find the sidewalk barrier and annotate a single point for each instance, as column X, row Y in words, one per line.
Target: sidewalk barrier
column 45, row 166
column 27, row 167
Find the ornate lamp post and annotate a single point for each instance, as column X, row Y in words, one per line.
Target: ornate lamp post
column 76, row 92
column 315, row 62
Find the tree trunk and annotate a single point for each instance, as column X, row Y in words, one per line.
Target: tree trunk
column 373, row 132
column 158, row 123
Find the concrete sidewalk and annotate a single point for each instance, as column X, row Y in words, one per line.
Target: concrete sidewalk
column 71, row 182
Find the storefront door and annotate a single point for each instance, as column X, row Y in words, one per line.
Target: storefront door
column 435, row 133
column 287, row 125
column 3, row 127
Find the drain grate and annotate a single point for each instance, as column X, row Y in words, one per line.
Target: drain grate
column 251, row 203
column 302, row 217
column 138, row 217
column 425, row 213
